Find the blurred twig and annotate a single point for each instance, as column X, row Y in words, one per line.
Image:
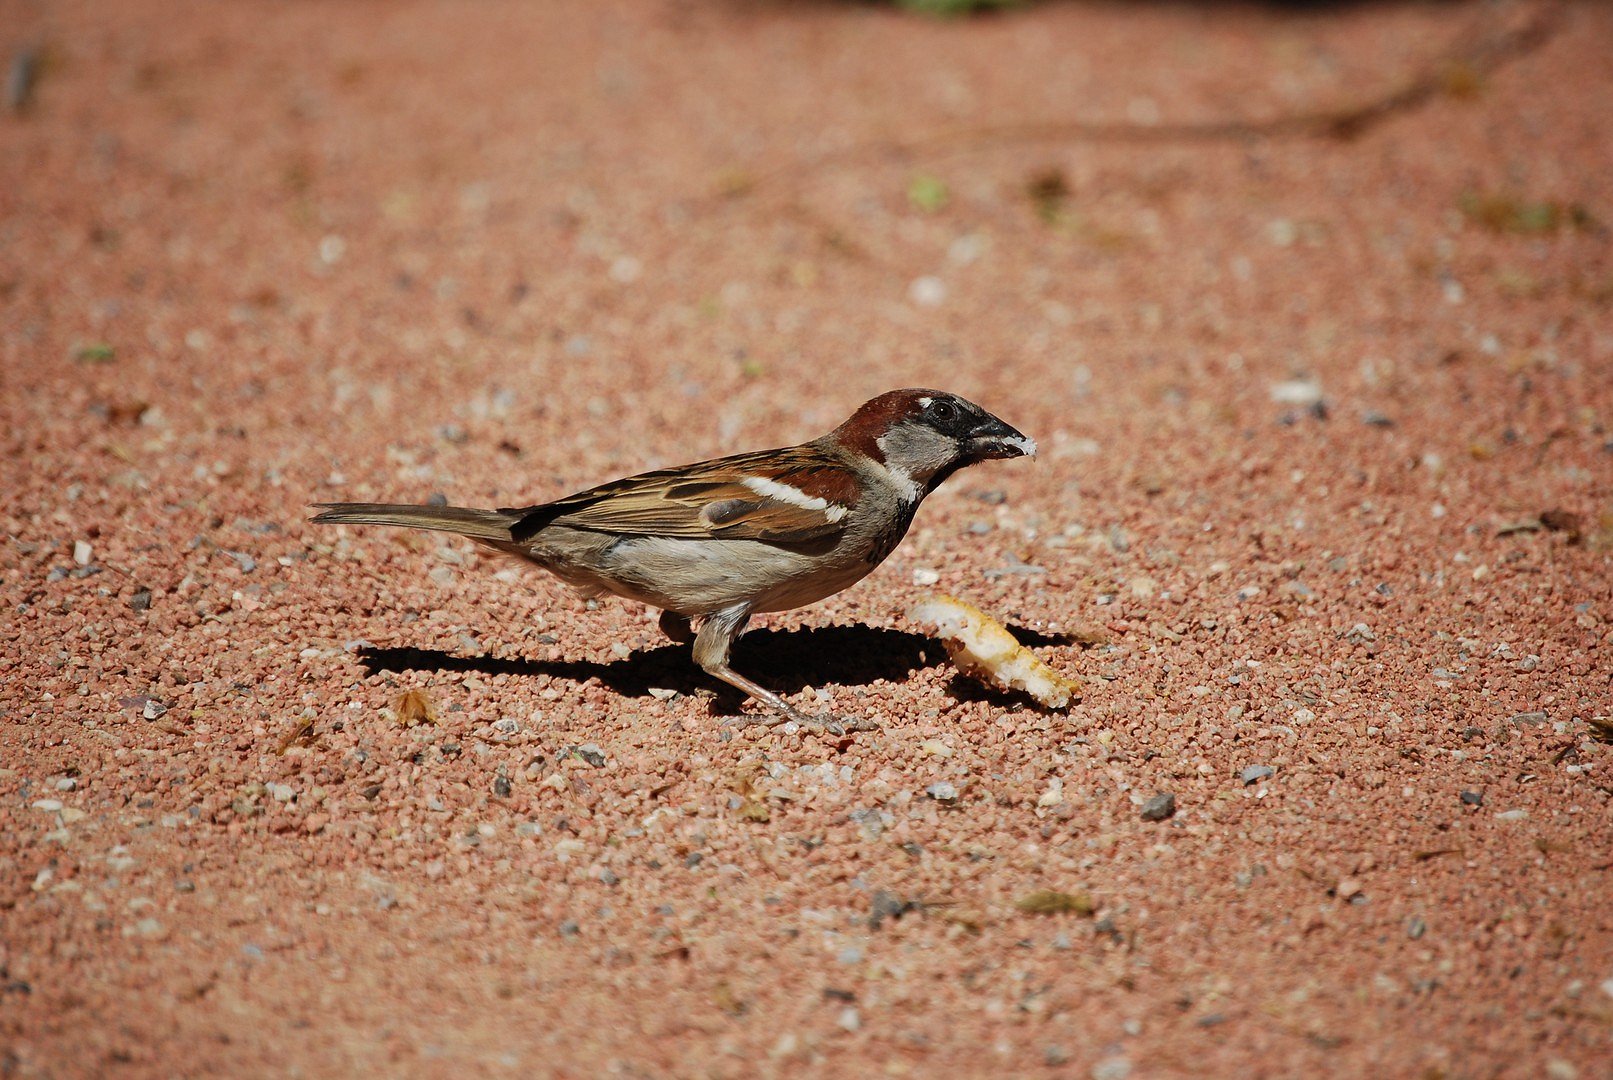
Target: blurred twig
column 1476, row 55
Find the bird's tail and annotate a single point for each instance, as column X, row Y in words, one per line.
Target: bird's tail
column 491, row 525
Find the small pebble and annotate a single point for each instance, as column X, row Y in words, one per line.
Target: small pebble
column 1112, row 1068
column 849, row 1019
column 154, row 710
column 1253, row 774
column 1472, row 798
column 943, row 791
column 1160, row 807
column 82, row 552
column 1305, row 393
column 927, row 292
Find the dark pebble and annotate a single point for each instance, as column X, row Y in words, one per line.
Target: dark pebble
column 501, row 787
column 140, row 601
column 1473, row 798
column 887, row 905
column 1160, row 807
column 588, row 753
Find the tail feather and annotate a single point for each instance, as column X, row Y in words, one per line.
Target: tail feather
column 491, row 525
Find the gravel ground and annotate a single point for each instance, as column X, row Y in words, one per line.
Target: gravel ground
column 1323, row 523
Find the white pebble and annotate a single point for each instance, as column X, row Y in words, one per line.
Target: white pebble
column 927, row 291
column 1112, row 1068
column 850, row 1019
column 1301, row 392
column 82, row 552
column 626, row 270
column 923, row 575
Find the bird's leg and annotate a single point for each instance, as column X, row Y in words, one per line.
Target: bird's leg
column 712, row 645
column 716, row 640
column 677, row 627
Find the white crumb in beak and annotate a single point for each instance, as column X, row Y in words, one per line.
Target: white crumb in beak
column 1027, row 446
column 983, row 649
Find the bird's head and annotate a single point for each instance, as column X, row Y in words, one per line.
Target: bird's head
column 921, row 437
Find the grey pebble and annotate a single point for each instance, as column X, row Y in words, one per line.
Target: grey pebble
column 501, row 787
column 1528, row 719
column 1160, row 807
column 1416, row 928
column 1472, row 798
column 140, row 601
column 1253, row 774
column 942, row 791
column 246, row 562
column 887, row 905
column 22, row 77
column 592, row 754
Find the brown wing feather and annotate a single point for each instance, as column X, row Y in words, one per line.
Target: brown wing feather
column 705, row 500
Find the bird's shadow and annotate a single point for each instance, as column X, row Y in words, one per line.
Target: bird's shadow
column 783, row 660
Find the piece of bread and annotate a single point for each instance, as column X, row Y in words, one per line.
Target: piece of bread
column 983, row 649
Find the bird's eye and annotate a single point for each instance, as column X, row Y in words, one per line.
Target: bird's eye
column 943, row 411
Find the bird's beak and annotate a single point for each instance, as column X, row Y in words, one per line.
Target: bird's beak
column 992, row 438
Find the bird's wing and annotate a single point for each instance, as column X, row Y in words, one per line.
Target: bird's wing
column 787, row 496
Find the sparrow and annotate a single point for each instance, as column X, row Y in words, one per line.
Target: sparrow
column 714, row 543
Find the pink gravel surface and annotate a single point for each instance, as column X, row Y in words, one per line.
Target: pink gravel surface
column 1322, row 522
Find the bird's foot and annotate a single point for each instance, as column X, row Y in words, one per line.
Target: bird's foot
column 828, row 723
